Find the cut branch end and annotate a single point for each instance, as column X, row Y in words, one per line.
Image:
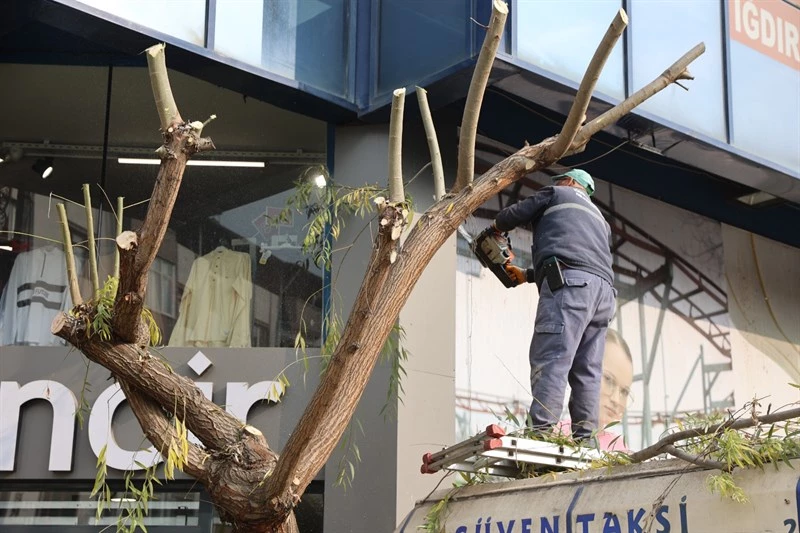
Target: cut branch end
column 127, row 240
column 58, row 324
column 622, row 16
column 500, row 7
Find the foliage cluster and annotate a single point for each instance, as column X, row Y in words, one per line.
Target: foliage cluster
column 756, row 447
column 103, row 308
column 132, row 503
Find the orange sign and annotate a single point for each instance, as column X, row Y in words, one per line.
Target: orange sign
column 771, row 27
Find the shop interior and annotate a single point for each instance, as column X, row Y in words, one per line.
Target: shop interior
column 226, row 276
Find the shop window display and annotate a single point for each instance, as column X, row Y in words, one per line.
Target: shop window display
column 36, row 291
column 33, row 278
column 216, row 302
column 224, row 277
column 244, row 291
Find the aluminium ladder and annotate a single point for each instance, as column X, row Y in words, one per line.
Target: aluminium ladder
column 495, row 453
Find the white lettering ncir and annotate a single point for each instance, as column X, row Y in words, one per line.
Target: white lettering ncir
column 240, row 397
column 64, row 404
column 101, row 434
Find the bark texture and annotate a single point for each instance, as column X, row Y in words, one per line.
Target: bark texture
column 235, row 460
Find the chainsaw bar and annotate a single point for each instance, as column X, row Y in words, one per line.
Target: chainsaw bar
column 493, row 250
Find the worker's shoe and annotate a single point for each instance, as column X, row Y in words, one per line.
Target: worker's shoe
column 547, row 434
column 587, row 442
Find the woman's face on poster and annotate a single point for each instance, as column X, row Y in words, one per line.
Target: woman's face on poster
column 615, row 388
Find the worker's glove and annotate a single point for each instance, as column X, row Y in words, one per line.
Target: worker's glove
column 517, row 274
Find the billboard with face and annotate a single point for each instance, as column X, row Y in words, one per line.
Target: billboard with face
column 706, row 321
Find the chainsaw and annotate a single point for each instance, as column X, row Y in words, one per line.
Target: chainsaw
column 493, row 250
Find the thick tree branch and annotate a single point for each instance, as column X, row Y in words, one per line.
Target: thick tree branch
column 477, row 87
column 433, row 144
column 69, row 256
column 181, row 141
column 325, row 418
column 216, row 428
column 577, row 113
column 235, row 477
column 396, row 192
column 383, row 293
column 676, row 71
column 660, row 447
column 161, row 433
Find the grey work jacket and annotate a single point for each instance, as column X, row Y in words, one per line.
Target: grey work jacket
column 566, row 224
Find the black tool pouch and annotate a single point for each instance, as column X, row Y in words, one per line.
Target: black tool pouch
column 551, row 271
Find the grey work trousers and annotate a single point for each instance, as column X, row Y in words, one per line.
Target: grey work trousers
column 568, row 345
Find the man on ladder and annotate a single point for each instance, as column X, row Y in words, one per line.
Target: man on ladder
column 572, row 268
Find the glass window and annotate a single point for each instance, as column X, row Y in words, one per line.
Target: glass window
column 64, row 508
column 184, row 19
column 442, row 38
column 561, row 36
column 41, row 133
column 160, row 296
column 656, row 45
column 766, row 107
column 303, row 40
column 224, row 277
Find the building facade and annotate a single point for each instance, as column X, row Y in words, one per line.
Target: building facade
column 701, row 187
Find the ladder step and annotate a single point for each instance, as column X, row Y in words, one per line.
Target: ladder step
column 493, row 452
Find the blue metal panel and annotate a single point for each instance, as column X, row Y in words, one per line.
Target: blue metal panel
column 417, row 38
column 77, row 34
column 363, row 52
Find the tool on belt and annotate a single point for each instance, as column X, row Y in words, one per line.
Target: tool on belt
column 551, row 271
column 493, row 250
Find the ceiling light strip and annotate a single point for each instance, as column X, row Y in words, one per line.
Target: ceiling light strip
column 194, row 162
column 95, row 151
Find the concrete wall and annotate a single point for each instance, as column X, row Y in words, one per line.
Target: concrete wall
column 763, row 284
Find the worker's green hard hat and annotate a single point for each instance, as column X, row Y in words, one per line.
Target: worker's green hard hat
column 581, row 176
